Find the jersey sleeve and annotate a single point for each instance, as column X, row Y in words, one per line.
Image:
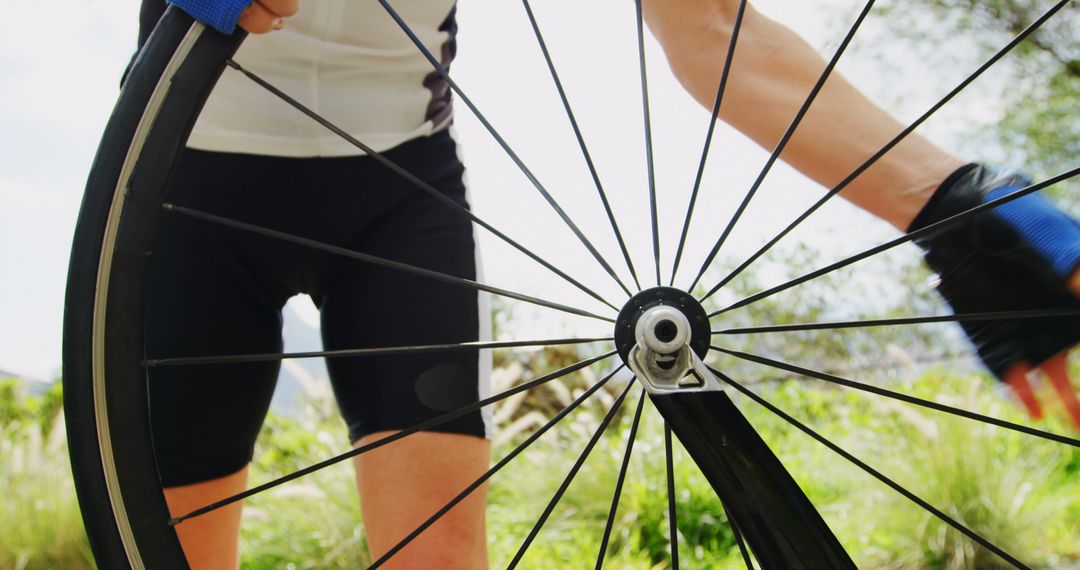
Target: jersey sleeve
column 218, row 14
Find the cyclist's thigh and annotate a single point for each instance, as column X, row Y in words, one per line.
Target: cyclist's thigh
column 213, row 291
column 369, row 306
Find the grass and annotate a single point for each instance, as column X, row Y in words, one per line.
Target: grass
column 640, row 535
column 1020, row 492
column 313, row 522
column 40, row 524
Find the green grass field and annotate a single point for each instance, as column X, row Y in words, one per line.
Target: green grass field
column 1021, row 493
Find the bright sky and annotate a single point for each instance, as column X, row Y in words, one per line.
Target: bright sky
column 58, row 88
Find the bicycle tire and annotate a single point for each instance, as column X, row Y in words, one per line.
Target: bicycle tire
column 117, row 486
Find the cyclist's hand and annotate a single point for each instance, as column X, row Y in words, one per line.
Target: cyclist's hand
column 1019, row 256
column 255, row 16
column 1055, row 369
column 266, row 15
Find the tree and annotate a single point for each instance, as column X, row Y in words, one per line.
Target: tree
column 1041, row 92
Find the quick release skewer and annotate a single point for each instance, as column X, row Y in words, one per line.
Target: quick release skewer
column 662, row 335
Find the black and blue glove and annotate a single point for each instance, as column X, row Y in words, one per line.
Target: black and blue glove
column 1017, row 256
column 218, row 14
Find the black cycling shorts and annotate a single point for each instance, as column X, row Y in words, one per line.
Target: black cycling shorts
column 215, row 290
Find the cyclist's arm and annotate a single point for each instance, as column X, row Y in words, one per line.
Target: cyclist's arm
column 772, row 73
column 257, row 17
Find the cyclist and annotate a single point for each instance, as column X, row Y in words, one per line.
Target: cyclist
column 219, row 291
column 249, row 159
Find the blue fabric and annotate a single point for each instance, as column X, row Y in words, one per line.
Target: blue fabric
column 1048, row 230
column 218, row 14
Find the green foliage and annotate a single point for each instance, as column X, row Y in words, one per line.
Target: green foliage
column 1021, row 493
column 1038, row 83
column 1043, row 125
column 41, row 411
column 313, row 522
column 1018, row 492
column 40, row 525
column 705, row 538
column 885, row 286
column 571, row 537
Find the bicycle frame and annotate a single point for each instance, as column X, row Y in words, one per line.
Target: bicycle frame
column 764, row 502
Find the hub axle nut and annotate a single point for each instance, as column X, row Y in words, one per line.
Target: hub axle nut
column 663, row 329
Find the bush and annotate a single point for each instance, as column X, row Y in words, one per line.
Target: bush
column 40, row 525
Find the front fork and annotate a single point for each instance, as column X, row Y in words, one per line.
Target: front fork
column 781, row 526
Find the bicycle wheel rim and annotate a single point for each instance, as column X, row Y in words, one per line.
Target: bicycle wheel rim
column 117, row 485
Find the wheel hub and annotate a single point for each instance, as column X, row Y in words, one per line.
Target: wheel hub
column 665, row 319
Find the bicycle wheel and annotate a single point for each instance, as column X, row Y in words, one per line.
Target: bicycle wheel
column 104, row 385
column 105, row 365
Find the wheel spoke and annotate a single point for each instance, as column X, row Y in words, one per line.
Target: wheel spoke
column 581, row 143
column 936, row 226
column 825, row 74
column 938, row 358
column 441, row 70
column 673, row 519
column 389, row 263
column 630, row 438
column 966, row 317
column 414, row 180
column 495, row 468
column 901, row 397
column 648, row 138
column 736, row 28
column 348, row 352
column 889, row 146
column 738, row 539
column 570, row 476
column 425, row 425
column 873, row 472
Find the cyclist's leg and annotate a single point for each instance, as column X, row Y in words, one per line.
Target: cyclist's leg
column 363, row 305
column 209, row 541
column 404, row 483
column 211, row 291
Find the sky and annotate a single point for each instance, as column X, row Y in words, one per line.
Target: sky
column 58, row 89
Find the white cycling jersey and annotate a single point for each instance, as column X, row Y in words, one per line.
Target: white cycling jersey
column 348, row 61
